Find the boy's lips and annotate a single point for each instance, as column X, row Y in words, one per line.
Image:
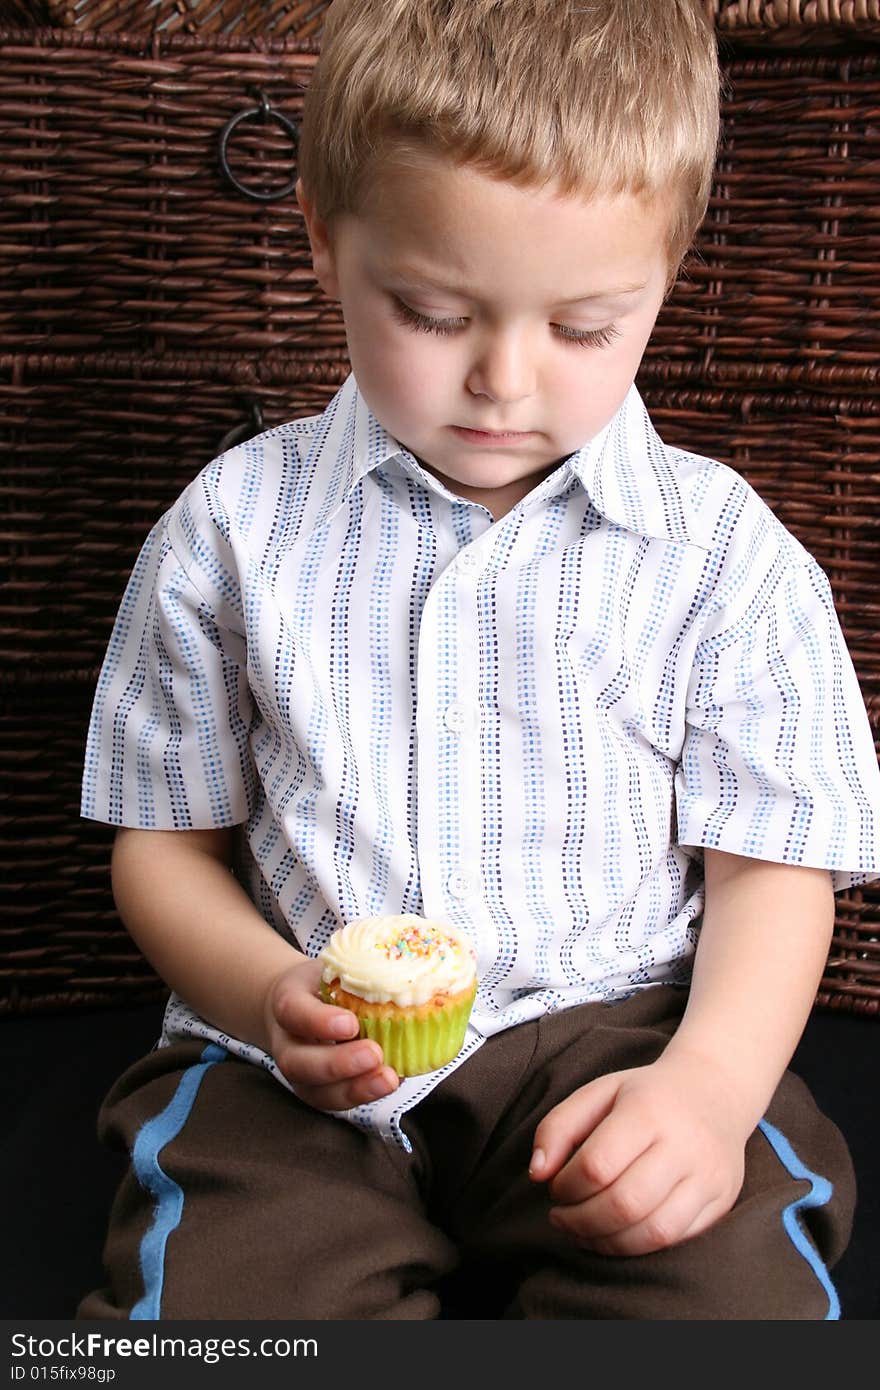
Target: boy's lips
column 491, row 436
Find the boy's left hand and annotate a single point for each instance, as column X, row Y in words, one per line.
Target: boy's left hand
column 641, row 1159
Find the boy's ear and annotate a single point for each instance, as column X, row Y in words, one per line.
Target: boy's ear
column 320, row 240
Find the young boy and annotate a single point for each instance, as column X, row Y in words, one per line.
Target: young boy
column 474, row 643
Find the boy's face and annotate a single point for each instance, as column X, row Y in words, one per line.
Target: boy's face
column 462, row 295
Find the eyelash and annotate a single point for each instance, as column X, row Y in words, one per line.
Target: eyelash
column 595, row 337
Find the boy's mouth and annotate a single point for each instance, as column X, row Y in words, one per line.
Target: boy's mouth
column 491, row 436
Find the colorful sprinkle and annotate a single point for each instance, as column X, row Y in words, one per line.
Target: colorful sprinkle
column 419, row 943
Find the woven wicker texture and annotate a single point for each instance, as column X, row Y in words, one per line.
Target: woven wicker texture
column 145, row 302
column 116, row 213
column 207, row 18
column 282, row 17
column 731, row 15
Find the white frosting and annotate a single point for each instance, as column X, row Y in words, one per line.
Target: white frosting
column 402, row 960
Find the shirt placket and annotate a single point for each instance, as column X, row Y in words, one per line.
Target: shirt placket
column 448, row 720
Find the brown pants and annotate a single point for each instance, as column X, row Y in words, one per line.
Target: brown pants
column 241, row 1202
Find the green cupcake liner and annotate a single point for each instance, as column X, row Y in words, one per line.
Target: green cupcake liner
column 416, row 1045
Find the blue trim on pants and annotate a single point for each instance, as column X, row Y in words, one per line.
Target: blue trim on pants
column 818, row 1195
column 151, row 1140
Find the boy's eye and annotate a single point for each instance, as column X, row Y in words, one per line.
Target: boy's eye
column 589, row 337
column 409, row 316
column 592, row 337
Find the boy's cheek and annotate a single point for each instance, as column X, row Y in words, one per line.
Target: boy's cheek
column 396, row 384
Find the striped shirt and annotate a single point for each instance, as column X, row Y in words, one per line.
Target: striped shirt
column 528, row 727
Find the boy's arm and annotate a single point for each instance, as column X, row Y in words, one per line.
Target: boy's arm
column 202, row 934
column 762, row 949
column 644, row 1158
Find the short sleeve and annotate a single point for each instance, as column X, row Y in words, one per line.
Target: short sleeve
column 778, row 761
column 167, row 747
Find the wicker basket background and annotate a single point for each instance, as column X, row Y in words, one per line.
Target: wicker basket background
column 305, row 17
column 279, row 19
column 148, row 310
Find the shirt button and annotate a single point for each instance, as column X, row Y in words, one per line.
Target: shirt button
column 461, row 884
column 455, row 718
column 469, row 562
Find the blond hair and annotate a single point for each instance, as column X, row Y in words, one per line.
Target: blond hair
column 598, row 98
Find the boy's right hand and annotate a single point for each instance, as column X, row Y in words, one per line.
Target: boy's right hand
column 316, row 1045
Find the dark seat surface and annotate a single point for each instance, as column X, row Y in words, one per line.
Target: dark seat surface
column 58, row 1182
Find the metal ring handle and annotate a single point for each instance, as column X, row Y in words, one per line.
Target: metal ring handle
column 266, row 113
column 239, row 434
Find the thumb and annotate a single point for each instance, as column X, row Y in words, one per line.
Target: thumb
column 569, row 1123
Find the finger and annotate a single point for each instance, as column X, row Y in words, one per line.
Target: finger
column 311, row 1064
column 601, row 1159
column 637, row 1192
column 711, row 1212
column 569, row 1123
column 342, row 1095
column 682, row 1211
column 304, row 1015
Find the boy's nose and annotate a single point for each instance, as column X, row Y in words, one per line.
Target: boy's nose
column 503, row 368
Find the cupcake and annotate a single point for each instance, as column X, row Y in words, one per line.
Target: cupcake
column 410, row 982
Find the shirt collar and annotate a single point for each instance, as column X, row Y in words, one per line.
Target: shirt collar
column 629, row 474
column 348, row 443
column 634, row 479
